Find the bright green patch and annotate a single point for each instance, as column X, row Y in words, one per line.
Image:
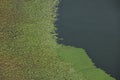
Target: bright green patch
column 95, row 74
column 78, row 58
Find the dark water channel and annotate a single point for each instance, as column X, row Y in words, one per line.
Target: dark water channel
column 95, row 26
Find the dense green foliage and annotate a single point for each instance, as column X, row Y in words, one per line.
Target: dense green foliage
column 28, row 43
column 28, row 48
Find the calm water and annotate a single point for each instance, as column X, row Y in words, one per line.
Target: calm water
column 94, row 26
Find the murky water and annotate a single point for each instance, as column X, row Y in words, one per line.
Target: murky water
column 94, row 26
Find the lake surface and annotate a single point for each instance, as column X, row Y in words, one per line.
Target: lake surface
column 94, row 26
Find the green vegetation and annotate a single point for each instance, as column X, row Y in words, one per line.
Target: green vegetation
column 28, row 48
column 82, row 63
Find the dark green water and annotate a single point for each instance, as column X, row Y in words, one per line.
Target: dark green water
column 94, row 26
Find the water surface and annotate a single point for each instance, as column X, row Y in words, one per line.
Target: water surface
column 94, row 26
